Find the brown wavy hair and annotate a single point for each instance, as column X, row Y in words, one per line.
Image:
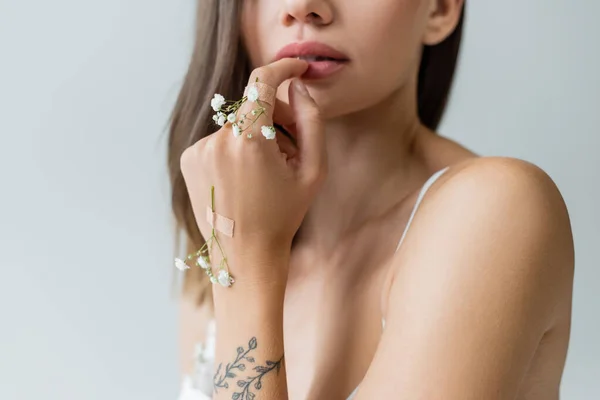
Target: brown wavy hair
column 220, row 64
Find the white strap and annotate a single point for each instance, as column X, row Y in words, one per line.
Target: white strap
column 424, row 189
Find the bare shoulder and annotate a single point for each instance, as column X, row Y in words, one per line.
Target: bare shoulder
column 500, row 218
column 193, row 324
column 503, row 186
column 510, row 172
column 484, row 273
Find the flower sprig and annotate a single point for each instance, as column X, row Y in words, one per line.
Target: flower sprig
column 203, row 256
column 226, row 112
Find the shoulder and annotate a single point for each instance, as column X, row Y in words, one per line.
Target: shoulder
column 504, row 178
column 501, row 190
column 495, row 220
column 484, row 272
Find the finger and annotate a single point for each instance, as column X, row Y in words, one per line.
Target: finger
column 273, row 75
column 309, row 131
column 283, row 114
column 260, row 94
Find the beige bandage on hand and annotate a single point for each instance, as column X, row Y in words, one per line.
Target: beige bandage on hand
column 266, row 93
column 219, row 222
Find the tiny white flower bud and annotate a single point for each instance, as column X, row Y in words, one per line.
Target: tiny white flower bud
column 217, row 102
column 231, row 118
column 253, row 94
column 268, row 132
column 203, row 262
column 224, row 278
column 236, row 130
column 180, row 264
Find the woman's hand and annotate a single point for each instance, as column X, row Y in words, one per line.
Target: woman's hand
column 265, row 191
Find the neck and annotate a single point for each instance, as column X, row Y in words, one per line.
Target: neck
column 371, row 156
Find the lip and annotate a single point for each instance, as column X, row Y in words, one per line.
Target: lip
column 294, row 50
column 316, row 69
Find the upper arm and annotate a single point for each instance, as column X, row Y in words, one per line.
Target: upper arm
column 483, row 274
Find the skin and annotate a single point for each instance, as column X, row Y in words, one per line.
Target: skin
column 477, row 300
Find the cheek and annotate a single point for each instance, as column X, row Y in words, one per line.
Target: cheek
column 257, row 16
column 388, row 39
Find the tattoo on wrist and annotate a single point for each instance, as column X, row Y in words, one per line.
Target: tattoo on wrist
column 253, row 380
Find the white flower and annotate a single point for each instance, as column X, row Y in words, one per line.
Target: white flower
column 236, row 130
column 217, row 101
column 268, row 132
column 231, row 118
column 221, row 120
column 253, row 94
column 215, row 118
column 181, row 265
column 203, row 262
column 224, row 278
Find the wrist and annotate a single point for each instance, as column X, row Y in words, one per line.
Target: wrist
column 259, row 268
column 249, row 303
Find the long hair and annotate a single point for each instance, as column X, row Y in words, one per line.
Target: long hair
column 220, row 64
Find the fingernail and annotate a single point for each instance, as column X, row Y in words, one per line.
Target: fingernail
column 300, row 87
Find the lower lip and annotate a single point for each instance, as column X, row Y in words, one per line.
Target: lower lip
column 322, row 69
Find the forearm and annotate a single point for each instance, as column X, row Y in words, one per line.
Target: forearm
column 249, row 357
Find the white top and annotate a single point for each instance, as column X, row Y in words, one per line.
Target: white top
column 199, row 385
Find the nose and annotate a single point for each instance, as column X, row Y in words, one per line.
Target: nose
column 315, row 12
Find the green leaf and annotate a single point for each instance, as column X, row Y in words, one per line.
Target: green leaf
column 235, row 396
column 241, row 384
column 251, row 359
column 240, row 350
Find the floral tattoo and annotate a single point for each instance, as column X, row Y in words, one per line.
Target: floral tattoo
column 249, row 384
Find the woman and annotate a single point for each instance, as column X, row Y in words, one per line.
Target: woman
column 319, row 288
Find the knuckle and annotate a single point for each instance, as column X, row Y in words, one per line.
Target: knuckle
column 250, row 146
column 186, row 158
column 264, row 74
column 214, row 142
column 191, row 155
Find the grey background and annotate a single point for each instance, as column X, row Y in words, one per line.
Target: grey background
column 86, row 310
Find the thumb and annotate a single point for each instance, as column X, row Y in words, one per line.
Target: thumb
column 310, row 135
